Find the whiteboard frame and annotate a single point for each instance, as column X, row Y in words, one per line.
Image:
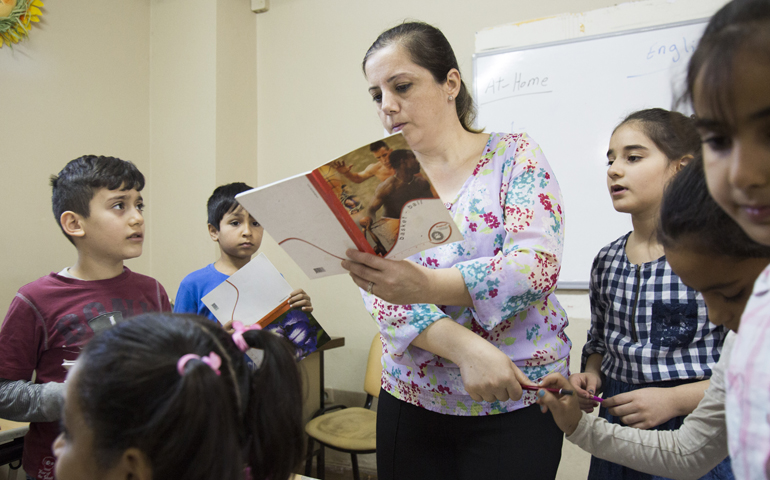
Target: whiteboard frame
column 569, row 285
column 499, row 51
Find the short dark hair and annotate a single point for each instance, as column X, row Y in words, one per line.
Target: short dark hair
column 688, row 213
column 77, row 183
column 398, row 156
column 223, row 201
column 429, row 48
column 378, row 145
column 739, row 25
column 196, row 425
column 673, row 133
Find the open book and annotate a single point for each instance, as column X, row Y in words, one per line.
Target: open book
column 258, row 293
column 374, row 199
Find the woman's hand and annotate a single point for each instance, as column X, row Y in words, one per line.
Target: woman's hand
column 489, row 375
column 299, row 299
column 396, row 281
column 403, row 282
column 644, row 408
column 564, row 408
column 586, row 385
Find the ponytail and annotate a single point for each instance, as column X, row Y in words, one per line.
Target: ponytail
column 466, row 109
column 273, row 416
column 191, row 422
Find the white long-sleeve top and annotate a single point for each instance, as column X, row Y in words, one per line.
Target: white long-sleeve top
column 688, row 452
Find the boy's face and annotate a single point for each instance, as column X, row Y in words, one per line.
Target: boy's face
column 114, row 230
column 239, row 235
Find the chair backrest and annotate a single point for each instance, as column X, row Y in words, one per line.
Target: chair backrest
column 374, row 368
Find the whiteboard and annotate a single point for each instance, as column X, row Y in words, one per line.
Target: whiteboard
column 569, row 96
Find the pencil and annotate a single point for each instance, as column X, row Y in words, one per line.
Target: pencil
column 560, row 391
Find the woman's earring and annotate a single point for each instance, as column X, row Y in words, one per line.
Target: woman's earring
column 451, row 98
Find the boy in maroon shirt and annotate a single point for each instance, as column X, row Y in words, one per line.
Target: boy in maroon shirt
column 98, row 205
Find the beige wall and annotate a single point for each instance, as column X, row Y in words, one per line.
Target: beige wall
column 167, row 84
column 78, row 85
column 203, row 118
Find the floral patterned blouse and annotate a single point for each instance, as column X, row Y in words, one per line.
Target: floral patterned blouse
column 509, row 212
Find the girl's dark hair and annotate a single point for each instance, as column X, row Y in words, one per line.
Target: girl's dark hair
column 198, row 425
column 689, row 214
column 673, row 133
column 741, row 25
column 429, row 48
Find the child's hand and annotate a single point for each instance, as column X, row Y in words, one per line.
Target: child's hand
column 564, row 408
column 644, row 408
column 229, row 327
column 586, row 385
column 299, row 299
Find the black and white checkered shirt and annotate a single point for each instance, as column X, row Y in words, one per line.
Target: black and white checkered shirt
column 646, row 323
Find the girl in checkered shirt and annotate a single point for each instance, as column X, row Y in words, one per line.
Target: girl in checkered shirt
column 651, row 348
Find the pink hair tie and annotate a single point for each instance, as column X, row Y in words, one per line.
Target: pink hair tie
column 212, row 360
column 238, row 334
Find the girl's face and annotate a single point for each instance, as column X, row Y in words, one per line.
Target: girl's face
column 736, row 155
column 74, row 447
column 725, row 282
column 408, row 99
column 638, row 171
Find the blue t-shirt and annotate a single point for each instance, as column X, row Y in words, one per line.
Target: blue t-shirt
column 195, row 286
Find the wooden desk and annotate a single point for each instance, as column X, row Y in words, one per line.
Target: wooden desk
column 312, row 368
column 12, row 443
column 10, row 430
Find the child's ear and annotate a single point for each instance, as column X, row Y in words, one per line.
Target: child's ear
column 134, row 465
column 72, row 224
column 213, row 232
column 683, row 161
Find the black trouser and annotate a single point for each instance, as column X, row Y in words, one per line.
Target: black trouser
column 415, row 443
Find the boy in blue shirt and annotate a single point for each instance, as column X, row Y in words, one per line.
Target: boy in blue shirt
column 98, row 204
column 239, row 237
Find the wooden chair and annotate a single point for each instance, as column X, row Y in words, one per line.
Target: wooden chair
column 350, row 430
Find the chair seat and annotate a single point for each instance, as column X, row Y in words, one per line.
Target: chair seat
column 351, row 428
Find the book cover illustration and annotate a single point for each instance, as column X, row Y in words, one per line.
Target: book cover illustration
column 258, row 293
column 375, row 199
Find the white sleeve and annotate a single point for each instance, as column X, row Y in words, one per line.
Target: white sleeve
column 693, row 450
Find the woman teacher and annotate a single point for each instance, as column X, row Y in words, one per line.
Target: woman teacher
column 464, row 324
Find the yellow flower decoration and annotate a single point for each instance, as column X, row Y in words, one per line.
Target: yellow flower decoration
column 16, row 18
